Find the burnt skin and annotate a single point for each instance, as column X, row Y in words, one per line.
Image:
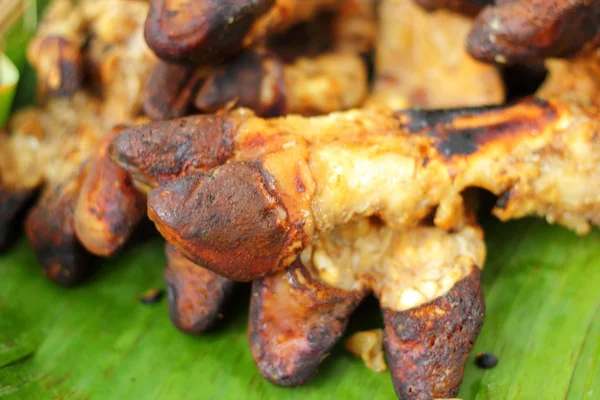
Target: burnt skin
column 294, row 322
column 466, row 7
column 159, row 152
column 200, row 31
column 108, row 207
column 50, row 228
column 527, row 31
column 65, row 74
column 240, row 83
column 427, row 346
column 169, row 90
column 529, row 117
column 196, row 295
column 227, row 220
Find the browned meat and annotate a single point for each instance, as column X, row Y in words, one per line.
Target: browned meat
column 421, row 61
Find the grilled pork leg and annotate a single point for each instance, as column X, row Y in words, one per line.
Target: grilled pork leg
column 296, row 177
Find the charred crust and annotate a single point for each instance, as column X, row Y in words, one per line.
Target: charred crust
column 418, row 120
column 159, row 152
column 49, row 226
column 200, row 31
column 169, row 90
column 196, row 295
column 240, row 83
column 526, row 117
column 225, row 219
column 294, row 322
column 526, row 31
column 466, row 7
column 427, row 347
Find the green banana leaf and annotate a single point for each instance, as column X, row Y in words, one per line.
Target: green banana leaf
column 9, row 77
column 98, row 341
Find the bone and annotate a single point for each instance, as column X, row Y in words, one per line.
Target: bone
column 205, row 31
column 109, row 207
column 50, row 229
column 310, row 86
column 196, row 295
column 528, row 31
column 427, row 346
column 294, row 322
column 466, row 7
